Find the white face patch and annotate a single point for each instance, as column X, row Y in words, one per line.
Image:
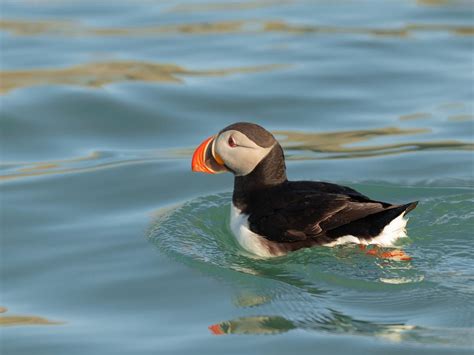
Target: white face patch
column 241, row 158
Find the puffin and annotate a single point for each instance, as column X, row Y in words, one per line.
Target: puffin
column 272, row 216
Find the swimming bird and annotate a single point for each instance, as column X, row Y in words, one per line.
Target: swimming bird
column 271, row 216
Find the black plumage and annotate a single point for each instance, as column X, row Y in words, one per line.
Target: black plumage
column 296, row 214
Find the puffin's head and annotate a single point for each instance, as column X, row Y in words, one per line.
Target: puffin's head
column 238, row 148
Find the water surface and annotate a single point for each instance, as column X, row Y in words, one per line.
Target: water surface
column 109, row 244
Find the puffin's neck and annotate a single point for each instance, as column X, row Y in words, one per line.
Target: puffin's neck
column 270, row 172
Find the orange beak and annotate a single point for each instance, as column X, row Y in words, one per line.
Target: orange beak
column 216, row 329
column 205, row 161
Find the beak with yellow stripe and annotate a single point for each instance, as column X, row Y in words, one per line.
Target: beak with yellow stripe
column 206, row 160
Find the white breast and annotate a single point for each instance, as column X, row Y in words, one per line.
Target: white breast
column 250, row 241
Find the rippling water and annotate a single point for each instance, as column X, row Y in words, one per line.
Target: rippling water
column 109, row 244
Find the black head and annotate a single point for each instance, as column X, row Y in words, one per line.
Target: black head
column 254, row 132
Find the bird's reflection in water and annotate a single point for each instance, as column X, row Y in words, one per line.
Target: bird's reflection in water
column 332, row 322
column 298, row 291
column 335, row 322
column 253, row 325
column 321, row 318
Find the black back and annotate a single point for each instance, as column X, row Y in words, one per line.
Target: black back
column 307, row 212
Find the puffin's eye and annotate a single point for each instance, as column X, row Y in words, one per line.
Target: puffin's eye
column 231, row 142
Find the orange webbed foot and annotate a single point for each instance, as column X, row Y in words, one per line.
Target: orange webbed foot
column 395, row 254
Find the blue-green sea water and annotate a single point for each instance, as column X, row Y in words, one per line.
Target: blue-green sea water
column 110, row 245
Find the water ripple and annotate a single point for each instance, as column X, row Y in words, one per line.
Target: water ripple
column 351, row 144
column 99, row 74
column 318, row 289
column 64, row 28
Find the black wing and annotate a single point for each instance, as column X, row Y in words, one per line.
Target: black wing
column 309, row 211
column 327, row 187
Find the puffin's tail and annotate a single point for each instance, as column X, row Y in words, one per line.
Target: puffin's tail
column 409, row 206
column 386, row 216
column 372, row 225
column 389, row 225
